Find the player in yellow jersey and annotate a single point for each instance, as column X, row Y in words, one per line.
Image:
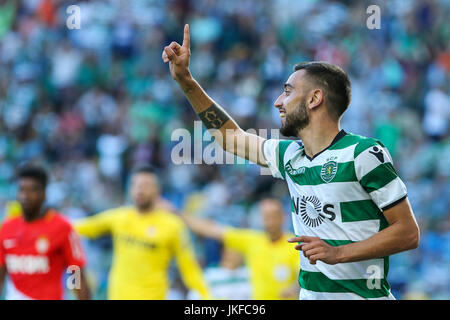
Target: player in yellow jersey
column 273, row 266
column 145, row 239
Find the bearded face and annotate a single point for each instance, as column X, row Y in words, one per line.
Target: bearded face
column 296, row 120
column 144, row 190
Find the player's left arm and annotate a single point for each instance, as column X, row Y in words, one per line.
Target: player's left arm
column 3, row 270
column 75, row 260
column 83, row 292
column 190, row 270
column 376, row 174
column 2, row 277
column 402, row 234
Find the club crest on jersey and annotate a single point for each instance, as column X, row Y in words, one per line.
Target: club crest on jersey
column 329, row 169
column 42, row 245
column 151, row 231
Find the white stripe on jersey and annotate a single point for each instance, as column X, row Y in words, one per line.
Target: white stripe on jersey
column 344, row 271
column 332, row 192
column 390, row 193
column 366, row 157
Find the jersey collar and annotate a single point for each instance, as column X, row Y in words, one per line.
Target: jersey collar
column 338, row 137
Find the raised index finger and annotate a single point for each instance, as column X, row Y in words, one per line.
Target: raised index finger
column 186, row 37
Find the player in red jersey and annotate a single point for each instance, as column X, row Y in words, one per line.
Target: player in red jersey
column 37, row 248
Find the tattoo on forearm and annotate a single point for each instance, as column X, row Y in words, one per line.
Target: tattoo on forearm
column 187, row 90
column 214, row 117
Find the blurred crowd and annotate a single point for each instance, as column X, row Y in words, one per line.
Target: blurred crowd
column 92, row 103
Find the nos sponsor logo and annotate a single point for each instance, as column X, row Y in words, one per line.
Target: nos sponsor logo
column 312, row 211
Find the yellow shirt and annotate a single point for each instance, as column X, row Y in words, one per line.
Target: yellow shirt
column 143, row 246
column 13, row 209
column 273, row 266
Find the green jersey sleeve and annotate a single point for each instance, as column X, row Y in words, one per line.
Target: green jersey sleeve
column 274, row 151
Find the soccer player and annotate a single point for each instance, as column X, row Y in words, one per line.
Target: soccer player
column 273, row 265
column 350, row 209
column 145, row 239
column 39, row 246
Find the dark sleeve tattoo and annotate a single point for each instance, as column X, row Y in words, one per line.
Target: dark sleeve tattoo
column 214, row 117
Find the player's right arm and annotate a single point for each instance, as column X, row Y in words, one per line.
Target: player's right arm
column 221, row 126
column 97, row 225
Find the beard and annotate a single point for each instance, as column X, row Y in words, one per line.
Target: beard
column 295, row 121
column 143, row 204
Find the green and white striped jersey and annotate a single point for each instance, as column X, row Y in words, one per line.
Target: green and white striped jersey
column 339, row 196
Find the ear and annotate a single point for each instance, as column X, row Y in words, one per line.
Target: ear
column 315, row 99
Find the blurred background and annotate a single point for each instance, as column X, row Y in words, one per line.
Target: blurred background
column 91, row 104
